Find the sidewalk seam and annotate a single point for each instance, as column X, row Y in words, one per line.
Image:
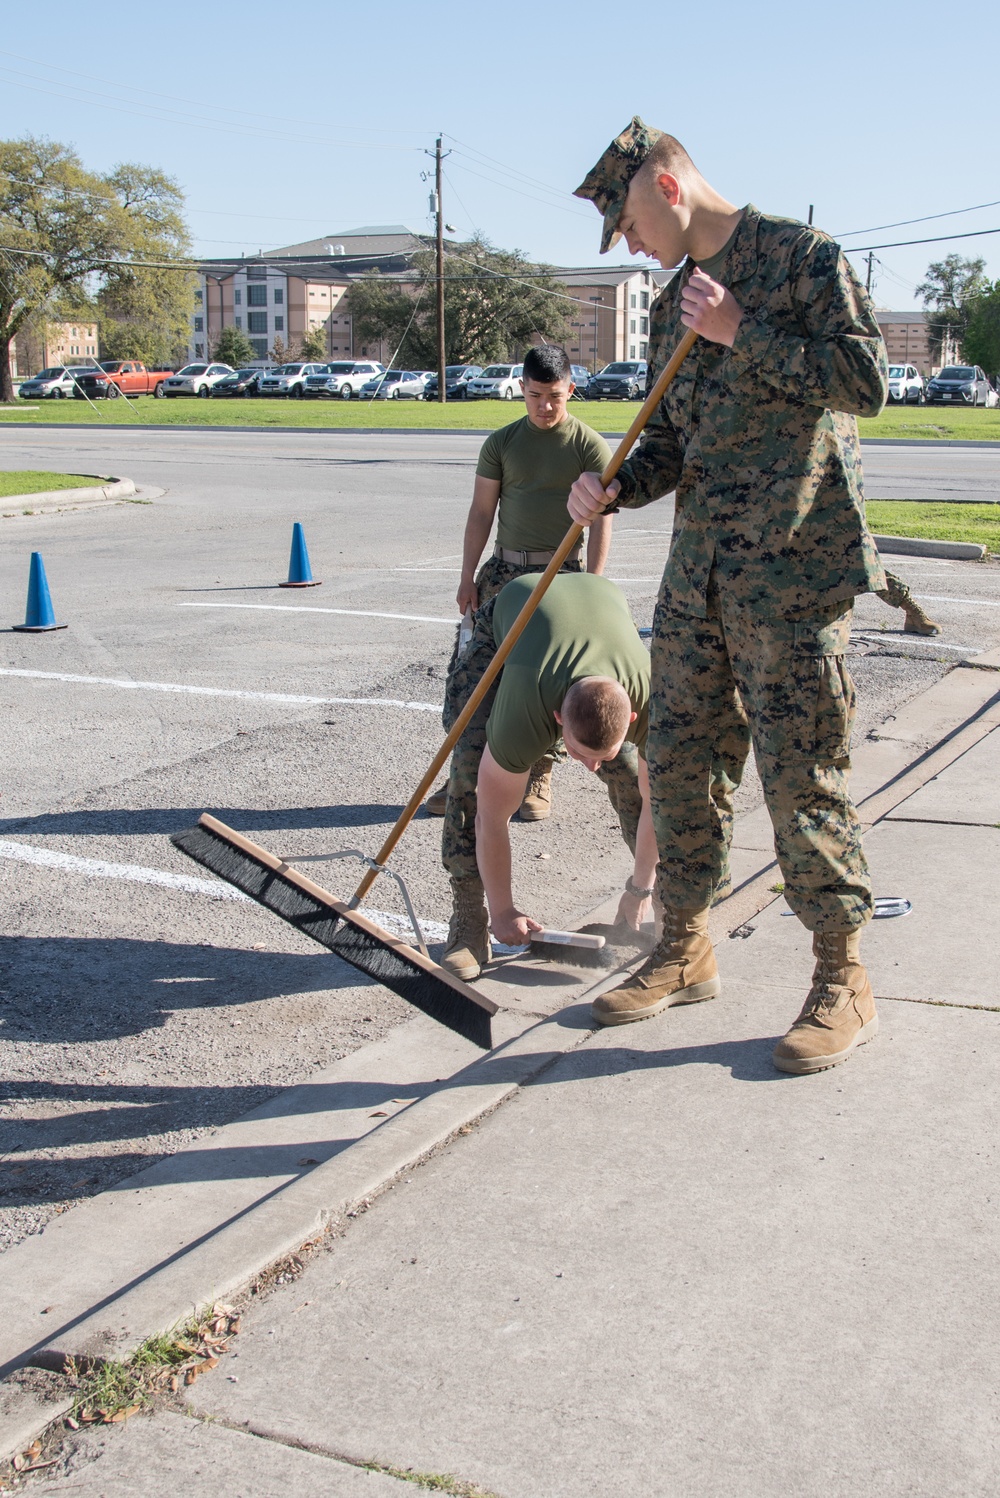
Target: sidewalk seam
column 457, row 1485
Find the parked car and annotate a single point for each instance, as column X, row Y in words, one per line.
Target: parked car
column 906, row 385
column 959, row 383
column 498, row 382
column 343, row 378
column 243, row 382
column 115, row 377
column 395, row 384
column 624, row 381
column 456, row 380
column 195, row 379
column 54, row 383
column 581, row 379
column 288, row 379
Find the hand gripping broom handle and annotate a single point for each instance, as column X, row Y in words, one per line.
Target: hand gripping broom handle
column 512, row 636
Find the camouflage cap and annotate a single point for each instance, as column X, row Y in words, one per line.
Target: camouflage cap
column 606, row 184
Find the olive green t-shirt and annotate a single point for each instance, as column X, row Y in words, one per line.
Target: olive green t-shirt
column 712, row 265
column 582, row 627
column 536, row 470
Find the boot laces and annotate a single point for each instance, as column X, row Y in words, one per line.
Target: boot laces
column 825, row 988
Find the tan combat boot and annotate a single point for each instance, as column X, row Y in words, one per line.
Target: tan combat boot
column 468, row 950
column 839, row 1012
column 436, row 802
column 916, row 622
column 681, row 970
column 537, row 803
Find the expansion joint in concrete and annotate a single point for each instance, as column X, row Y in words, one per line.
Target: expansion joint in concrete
column 436, row 1482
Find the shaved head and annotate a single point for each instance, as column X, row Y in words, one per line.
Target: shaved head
column 597, row 712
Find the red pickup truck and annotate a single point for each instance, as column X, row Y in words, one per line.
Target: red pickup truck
column 115, row 377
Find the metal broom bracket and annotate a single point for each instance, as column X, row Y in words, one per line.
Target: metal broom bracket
column 380, row 868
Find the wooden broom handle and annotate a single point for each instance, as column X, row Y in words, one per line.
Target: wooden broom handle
column 510, row 639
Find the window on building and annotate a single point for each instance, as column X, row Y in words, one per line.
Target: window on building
column 199, row 325
column 643, row 348
column 644, row 325
column 239, row 320
column 199, row 296
column 199, row 351
column 257, row 322
column 644, row 299
column 279, row 296
column 631, row 300
column 631, row 324
column 237, row 297
column 257, row 296
column 279, row 324
column 631, row 350
column 259, row 346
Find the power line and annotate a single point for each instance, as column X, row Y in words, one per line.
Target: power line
column 901, row 223
column 856, row 249
column 174, row 117
column 198, row 104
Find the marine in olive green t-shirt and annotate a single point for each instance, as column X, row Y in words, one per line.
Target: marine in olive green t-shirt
column 582, row 627
column 536, row 469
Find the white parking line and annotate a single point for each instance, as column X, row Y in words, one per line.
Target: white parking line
column 975, row 603
column 216, row 889
column 164, row 686
column 310, row 608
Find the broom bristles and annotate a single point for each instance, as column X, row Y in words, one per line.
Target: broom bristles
column 349, row 935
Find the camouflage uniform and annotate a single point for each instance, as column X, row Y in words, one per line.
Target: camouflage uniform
column 770, row 546
column 895, row 593
column 458, row 836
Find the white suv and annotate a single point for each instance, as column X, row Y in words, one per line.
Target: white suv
column 500, row 382
column 906, row 385
column 288, row 379
column 343, row 378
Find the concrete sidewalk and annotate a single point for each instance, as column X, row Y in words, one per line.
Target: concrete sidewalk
column 662, row 1267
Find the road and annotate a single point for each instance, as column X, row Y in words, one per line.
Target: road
column 137, row 1012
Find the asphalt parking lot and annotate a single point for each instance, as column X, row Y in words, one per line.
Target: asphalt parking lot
column 137, row 1011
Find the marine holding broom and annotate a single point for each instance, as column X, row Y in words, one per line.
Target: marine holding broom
column 526, row 470
column 758, row 436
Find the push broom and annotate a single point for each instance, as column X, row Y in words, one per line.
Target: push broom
column 338, row 925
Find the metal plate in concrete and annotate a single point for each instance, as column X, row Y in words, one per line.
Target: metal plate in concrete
column 947, row 950
column 968, row 791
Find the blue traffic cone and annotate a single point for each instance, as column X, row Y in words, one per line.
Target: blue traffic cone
column 299, row 570
column 39, row 615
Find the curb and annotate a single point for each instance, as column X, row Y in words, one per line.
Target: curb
column 45, row 500
column 909, row 546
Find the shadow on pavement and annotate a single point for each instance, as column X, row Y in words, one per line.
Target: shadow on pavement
column 62, row 989
column 162, row 821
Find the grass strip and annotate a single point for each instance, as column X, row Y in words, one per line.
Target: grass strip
column 34, row 481
column 930, row 522
column 913, row 423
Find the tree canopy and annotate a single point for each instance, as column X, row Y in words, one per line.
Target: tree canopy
column 234, row 347
column 495, row 301
column 982, row 335
column 948, row 292
column 62, row 228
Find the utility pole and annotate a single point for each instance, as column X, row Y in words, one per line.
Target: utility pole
column 871, row 263
column 810, row 213
column 442, row 392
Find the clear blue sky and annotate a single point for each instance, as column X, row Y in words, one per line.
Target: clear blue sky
column 282, row 125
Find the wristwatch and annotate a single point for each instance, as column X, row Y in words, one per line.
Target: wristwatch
column 638, row 894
